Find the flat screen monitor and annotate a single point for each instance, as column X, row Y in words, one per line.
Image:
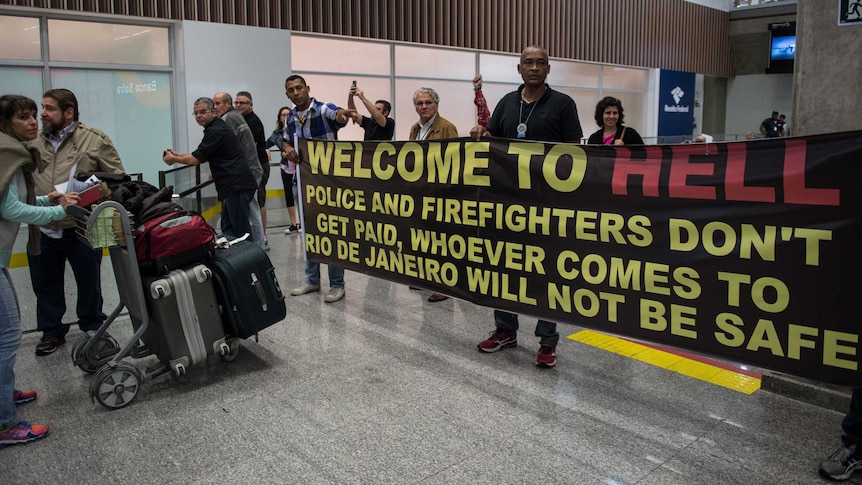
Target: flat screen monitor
column 782, row 47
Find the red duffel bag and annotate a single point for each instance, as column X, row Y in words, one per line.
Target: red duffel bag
column 174, row 240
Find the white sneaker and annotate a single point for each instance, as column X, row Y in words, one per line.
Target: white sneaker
column 306, row 288
column 334, row 295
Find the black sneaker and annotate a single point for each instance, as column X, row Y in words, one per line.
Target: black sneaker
column 49, row 344
column 291, row 229
column 841, row 464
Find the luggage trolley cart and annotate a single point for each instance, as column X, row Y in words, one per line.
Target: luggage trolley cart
column 116, row 383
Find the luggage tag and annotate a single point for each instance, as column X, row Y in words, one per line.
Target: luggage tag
column 222, row 242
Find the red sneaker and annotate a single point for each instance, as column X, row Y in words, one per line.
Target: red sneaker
column 498, row 340
column 20, row 397
column 23, row 432
column 547, row 356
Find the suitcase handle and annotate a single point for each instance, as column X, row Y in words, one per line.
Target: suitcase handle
column 258, row 288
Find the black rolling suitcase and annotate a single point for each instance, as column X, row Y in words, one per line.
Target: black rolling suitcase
column 247, row 289
column 185, row 326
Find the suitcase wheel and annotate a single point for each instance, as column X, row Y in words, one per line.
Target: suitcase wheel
column 229, row 350
column 179, row 370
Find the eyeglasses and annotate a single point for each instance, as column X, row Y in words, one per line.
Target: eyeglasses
column 201, row 112
column 240, row 103
column 425, row 103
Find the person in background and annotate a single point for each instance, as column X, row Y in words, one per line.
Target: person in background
column 846, row 460
column 19, row 204
column 288, row 170
column 430, row 126
column 379, row 126
column 66, row 145
column 245, row 106
column 482, row 111
column 532, row 112
column 770, row 127
column 228, row 161
column 315, row 120
column 782, row 126
column 609, row 115
column 223, row 106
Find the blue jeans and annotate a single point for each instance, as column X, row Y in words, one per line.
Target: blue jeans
column 255, row 221
column 545, row 330
column 10, row 338
column 48, row 272
column 234, row 213
column 312, row 274
column 852, row 423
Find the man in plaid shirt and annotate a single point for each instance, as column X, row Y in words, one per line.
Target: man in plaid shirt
column 310, row 118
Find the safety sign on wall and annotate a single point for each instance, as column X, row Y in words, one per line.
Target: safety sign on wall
column 850, row 12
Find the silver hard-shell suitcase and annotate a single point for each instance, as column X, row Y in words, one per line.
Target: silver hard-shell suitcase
column 185, row 323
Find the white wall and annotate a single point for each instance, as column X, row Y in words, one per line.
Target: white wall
column 751, row 99
column 230, row 58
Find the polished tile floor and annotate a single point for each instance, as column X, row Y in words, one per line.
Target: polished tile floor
column 385, row 388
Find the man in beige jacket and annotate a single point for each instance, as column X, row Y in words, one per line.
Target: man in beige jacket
column 67, row 147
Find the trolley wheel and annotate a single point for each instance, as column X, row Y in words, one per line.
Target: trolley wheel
column 105, row 348
column 232, row 351
column 116, row 387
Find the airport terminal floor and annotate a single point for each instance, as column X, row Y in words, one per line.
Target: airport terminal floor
column 383, row 387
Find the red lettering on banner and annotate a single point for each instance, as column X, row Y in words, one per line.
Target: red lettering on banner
column 650, row 169
column 734, row 181
column 681, row 168
column 795, row 191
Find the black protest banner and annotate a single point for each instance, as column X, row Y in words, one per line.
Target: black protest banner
column 747, row 251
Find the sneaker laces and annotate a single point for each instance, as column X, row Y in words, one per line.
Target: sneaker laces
column 844, row 455
column 546, row 349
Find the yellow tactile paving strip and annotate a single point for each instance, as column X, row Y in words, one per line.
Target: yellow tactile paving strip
column 681, row 365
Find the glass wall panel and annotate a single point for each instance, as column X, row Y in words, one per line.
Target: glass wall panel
column 26, row 81
column 633, row 109
column 20, row 38
column 499, row 68
column 424, row 62
column 132, row 108
column 624, row 78
column 456, row 104
column 333, row 55
column 585, row 100
column 574, row 74
column 334, row 89
column 108, row 43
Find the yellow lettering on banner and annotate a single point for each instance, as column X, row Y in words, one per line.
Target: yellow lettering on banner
column 653, row 318
column 348, row 161
column 758, row 291
column 443, row 168
column 575, row 177
column 401, row 205
column 320, row 157
column 318, row 244
column 721, row 239
column 525, row 152
column 332, row 224
column 812, row 239
column 832, row 349
column 348, row 251
column 499, row 285
column 408, row 151
column 796, row 340
column 585, row 301
column 384, row 151
column 472, row 164
column 730, row 324
column 765, row 336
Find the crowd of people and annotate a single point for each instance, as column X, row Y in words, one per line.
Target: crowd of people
column 33, row 162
